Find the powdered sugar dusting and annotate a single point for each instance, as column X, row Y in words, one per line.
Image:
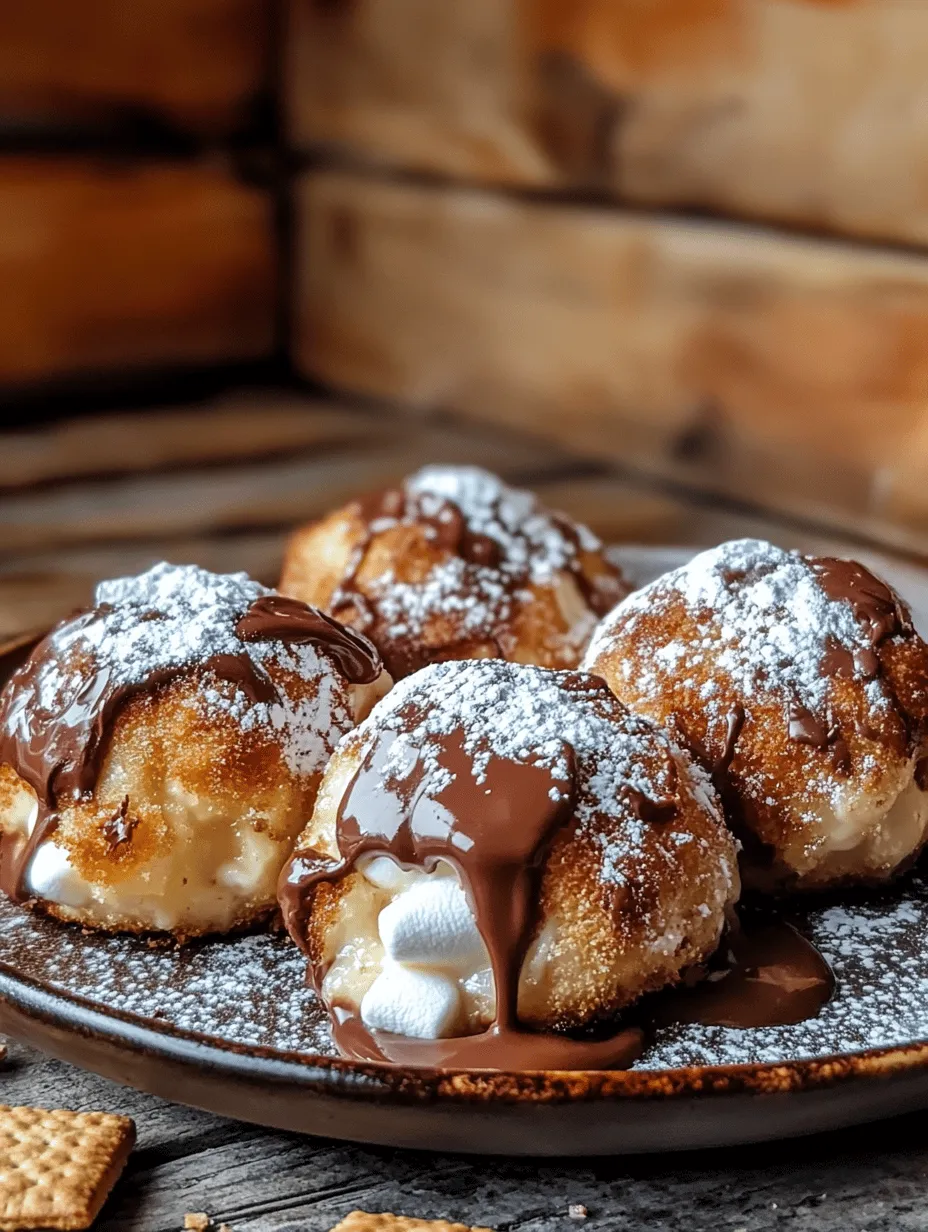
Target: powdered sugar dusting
column 772, row 626
column 174, row 617
column 521, row 713
column 534, row 547
column 876, row 949
column 250, row 991
column 532, row 543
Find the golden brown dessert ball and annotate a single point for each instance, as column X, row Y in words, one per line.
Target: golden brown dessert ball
column 635, row 880
column 800, row 682
column 454, row 564
column 160, row 752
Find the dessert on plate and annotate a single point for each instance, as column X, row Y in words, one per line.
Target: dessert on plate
column 160, row 752
column 497, row 851
column 801, row 684
column 455, row 564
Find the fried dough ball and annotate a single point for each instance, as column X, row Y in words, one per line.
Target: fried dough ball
column 160, row 752
column 454, row 564
column 635, row 878
column 802, row 686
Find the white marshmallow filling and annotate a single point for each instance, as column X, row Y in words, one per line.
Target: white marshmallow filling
column 430, row 966
column 214, row 869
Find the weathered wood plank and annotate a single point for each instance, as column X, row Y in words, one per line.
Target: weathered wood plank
column 243, row 425
column 39, row 587
column 784, row 371
column 199, row 62
column 36, row 591
column 109, row 265
column 811, row 113
column 260, row 1181
column 244, row 495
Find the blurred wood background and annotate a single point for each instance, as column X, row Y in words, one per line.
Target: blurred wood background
column 667, row 259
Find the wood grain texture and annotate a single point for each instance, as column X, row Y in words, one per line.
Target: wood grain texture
column 813, row 112
column 200, row 63
column 221, row 484
column 261, row 1181
column 246, row 425
column 110, row 265
column 246, row 494
column 783, row 371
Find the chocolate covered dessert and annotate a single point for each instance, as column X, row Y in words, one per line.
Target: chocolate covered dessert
column 454, row 564
column 160, row 752
column 800, row 683
column 500, row 854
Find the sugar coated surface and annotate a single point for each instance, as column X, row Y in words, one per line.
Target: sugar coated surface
column 177, row 616
column 249, row 990
column 521, row 713
column 771, row 629
column 533, row 547
column 531, row 540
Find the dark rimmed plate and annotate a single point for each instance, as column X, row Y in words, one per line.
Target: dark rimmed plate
column 227, row 1025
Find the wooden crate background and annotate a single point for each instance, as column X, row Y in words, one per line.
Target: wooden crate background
column 132, row 236
column 686, row 235
column 667, row 259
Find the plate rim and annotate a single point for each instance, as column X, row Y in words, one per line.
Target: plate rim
column 27, row 1000
column 327, row 1075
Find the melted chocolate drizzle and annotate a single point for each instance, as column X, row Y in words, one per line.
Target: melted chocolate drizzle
column 762, row 976
column 58, row 750
column 447, row 527
column 880, row 610
column 275, row 618
column 119, row 828
column 496, row 833
column 734, row 723
column 874, row 603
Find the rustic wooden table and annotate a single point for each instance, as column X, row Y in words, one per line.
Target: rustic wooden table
column 221, row 485
column 874, row 1178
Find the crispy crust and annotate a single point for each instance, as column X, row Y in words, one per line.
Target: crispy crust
column 548, row 624
column 776, row 789
column 191, row 785
column 609, row 937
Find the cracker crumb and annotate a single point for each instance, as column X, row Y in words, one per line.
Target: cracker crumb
column 576, row 1210
column 197, row 1221
column 363, row 1221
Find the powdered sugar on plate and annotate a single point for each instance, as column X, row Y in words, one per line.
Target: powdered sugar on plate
column 250, row 991
column 876, row 947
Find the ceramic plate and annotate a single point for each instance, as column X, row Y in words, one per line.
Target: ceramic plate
column 228, row 1025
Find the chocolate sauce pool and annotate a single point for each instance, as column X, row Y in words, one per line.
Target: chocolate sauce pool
column 496, row 833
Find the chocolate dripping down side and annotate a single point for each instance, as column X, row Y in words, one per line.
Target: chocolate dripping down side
column 879, row 609
column 449, row 531
column 276, row 618
column 59, row 752
column 883, row 615
column 498, row 844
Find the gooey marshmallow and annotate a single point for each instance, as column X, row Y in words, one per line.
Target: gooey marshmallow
column 433, row 952
column 51, row 875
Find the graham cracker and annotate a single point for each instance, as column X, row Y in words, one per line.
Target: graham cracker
column 361, row 1221
column 57, row 1168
